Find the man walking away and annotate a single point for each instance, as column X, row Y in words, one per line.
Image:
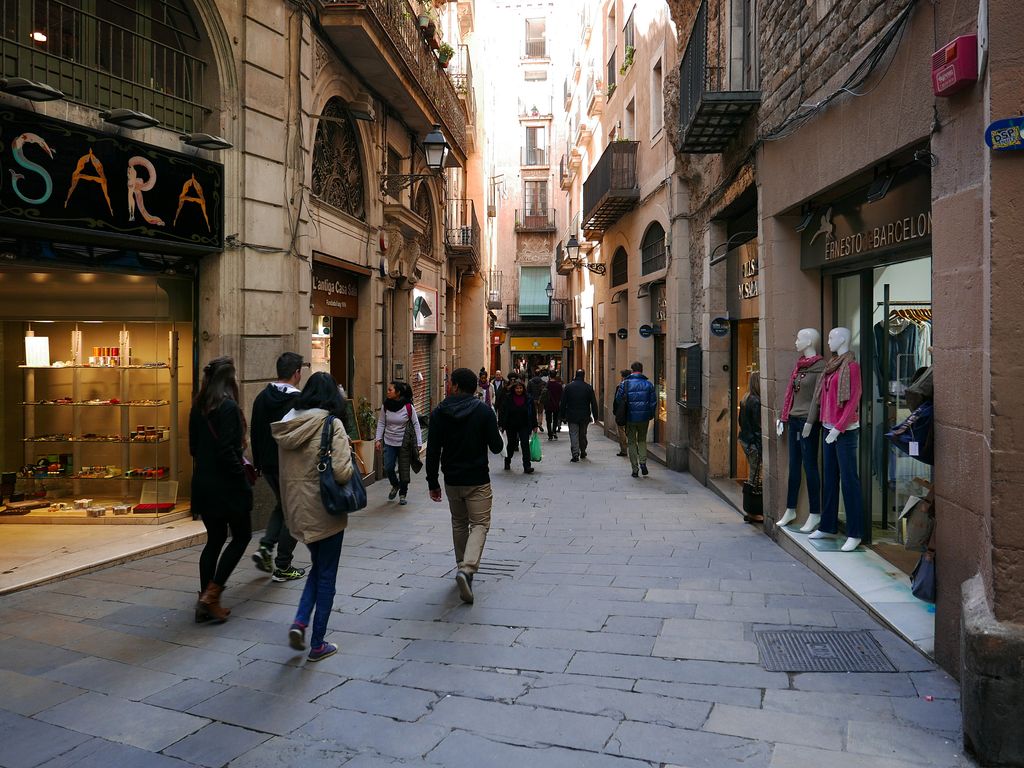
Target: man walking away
column 620, row 423
column 553, row 406
column 462, row 429
column 578, row 404
column 537, row 387
column 271, row 405
column 641, row 401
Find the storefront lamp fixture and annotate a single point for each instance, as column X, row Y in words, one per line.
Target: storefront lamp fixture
column 549, row 291
column 573, row 256
column 435, row 151
column 807, row 216
column 206, row 141
column 29, row 89
column 880, row 186
column 129, row 118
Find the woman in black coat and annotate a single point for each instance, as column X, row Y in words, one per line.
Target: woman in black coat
column 750, row 436
column 221, row 492
column 518, row 418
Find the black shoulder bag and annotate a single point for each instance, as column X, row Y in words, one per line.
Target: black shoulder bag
column 337, row 499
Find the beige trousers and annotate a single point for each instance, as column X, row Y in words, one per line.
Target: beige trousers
column 470, row 506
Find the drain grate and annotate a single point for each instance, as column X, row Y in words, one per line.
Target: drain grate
column 822, row 651
column 495, row 569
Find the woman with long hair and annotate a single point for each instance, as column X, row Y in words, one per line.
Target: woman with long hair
column 298, row 437
column 399, row 437
column 750, row 435
column 518, row 417
column 221, row 493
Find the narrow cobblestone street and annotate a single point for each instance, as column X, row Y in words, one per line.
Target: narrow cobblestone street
column 613, row 627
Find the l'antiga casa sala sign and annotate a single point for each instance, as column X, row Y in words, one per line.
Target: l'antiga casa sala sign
column 61, row 180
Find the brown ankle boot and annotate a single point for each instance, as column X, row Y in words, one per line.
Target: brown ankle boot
column 210, row 599
column 202, row 614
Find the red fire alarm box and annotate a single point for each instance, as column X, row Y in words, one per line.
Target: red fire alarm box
column 955, row 66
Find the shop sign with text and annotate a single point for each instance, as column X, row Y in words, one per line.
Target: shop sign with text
column 852, row 229
column 335, row 293
column 62, row 180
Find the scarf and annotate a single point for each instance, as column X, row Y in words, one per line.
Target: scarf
column 518, row 400
column 394, row 405
column 803, row 362
column 839, row 363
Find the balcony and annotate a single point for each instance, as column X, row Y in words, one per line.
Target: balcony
column 467, row 16
column 494, row 290
column 535, row 220
column 531, row 157
column 462, row 234
column 595, row 95
column 612, row 71
column 611, row 190
column 565, row 173
column 538, row 109
column 461, row 73
column 382, row 42
column 555, row 316
column 566, row 94
column 536, row 48
column 718, row 86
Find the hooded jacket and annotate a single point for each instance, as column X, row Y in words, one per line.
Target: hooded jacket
column 298, row 442
column 270, row 405
column 578, row 402
column 461, row 430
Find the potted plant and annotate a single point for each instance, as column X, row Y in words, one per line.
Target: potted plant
column 366, row 423
column 611, row 89
column 627, row 61
column 444, row 54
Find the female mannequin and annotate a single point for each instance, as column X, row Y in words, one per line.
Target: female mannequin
column 838, row 400
column 800, row 411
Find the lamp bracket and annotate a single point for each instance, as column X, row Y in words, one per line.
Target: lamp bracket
column 393, row 183
column 597, row 269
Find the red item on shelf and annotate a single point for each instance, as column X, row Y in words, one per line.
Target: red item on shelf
column 161, row 507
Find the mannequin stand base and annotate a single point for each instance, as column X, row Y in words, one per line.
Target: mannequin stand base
column 811, row 524
column 823, row 535
column 850, row 545
column 787, row 518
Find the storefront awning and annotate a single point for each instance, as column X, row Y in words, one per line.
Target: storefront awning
column 536, row 344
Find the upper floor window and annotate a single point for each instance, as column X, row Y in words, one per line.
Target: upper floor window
column 627, row 35
column 337, row 165
column 535, row 198
column 657, row 98
column 536, row 42
column 653, row 249
column 535, row 147
column 620, row 267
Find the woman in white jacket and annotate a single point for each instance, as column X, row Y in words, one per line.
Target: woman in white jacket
column 298, row 441
column 395, row 440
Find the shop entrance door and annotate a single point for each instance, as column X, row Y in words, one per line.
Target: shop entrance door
column 888, row 311
column 745, row 339
column 661, row 390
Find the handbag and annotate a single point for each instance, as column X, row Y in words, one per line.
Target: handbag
column 920, row 516
column 250, row 470
column 753, row 500
column 337, row 499
column 535, row 451
column 922, row 580
column 913, row 435
column 409, row 442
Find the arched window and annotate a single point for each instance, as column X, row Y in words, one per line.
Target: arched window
column 337, row 166
column 652, row 250
column 620, row 267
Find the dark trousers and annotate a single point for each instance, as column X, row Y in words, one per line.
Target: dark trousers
column 277, row 532
column 840, row 468
column 318, row 595
column 554, row 423
column 391, row 467
column 216, row 565
column 520, row 438
column 803, row 456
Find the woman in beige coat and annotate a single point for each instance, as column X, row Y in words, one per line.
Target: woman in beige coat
column 298, row 440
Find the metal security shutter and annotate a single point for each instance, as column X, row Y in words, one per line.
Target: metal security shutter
column 422, row 377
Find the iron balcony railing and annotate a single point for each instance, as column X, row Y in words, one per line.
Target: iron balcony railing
column 611, row 189
column 595, row 93
column 535, row 220
column 533, row 156
column 100, row 64
column 461, row 74
column 462, row 227
column 555, row 313
column 612, row 71
column 564, row 173
column 542, row 107
column 536, row 48
column 494, row 289
column 566, row 94
column 718, row 85
column 398, row 20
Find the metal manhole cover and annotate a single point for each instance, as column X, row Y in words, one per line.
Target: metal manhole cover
column 822, row 651
column 496, row 569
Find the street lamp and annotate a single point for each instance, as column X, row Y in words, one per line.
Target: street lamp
column 549, row 290
column 573, row 256
column 435, row 151
column 29, row 89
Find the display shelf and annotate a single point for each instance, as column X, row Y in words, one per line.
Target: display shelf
column 143, row 367
column 73, row 439
column 88, row 404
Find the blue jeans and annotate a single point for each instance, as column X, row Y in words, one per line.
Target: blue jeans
column 840, row 468
column 803, row 451
column 320, row 587
column 390, row 467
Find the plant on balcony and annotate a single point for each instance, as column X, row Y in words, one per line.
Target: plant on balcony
column 611, row 90
column 444, row 54
column 627, row 61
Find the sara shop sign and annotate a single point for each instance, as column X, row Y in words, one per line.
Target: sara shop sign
column 852, row 229
column 86, row 185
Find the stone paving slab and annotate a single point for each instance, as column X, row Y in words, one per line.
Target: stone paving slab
column 621, row 637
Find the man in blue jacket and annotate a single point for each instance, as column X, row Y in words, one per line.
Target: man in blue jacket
column 641, row 401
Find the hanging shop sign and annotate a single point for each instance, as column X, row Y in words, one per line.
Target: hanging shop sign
column 742, row 270
column 335, row 292
column 852, row 229
column 424, row 310
column 646, row 331
column 720, row 326
column 83, row 185
column 622, row 333
column 1005, row 135
column 536, row 344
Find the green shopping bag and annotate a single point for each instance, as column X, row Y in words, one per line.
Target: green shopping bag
column 535, row 454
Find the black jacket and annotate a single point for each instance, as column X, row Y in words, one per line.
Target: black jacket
column 462, row 428
column 750, row 420
column 535, row 387
column 578, row 402
column 219, row 483
column 270, row 405
column 513, row 419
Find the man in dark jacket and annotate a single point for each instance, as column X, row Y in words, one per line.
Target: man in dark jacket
column 462, row 429
column 537, row 387
column 271, row 405
column 553, row 405
column 641, row 402
column 578, row 404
